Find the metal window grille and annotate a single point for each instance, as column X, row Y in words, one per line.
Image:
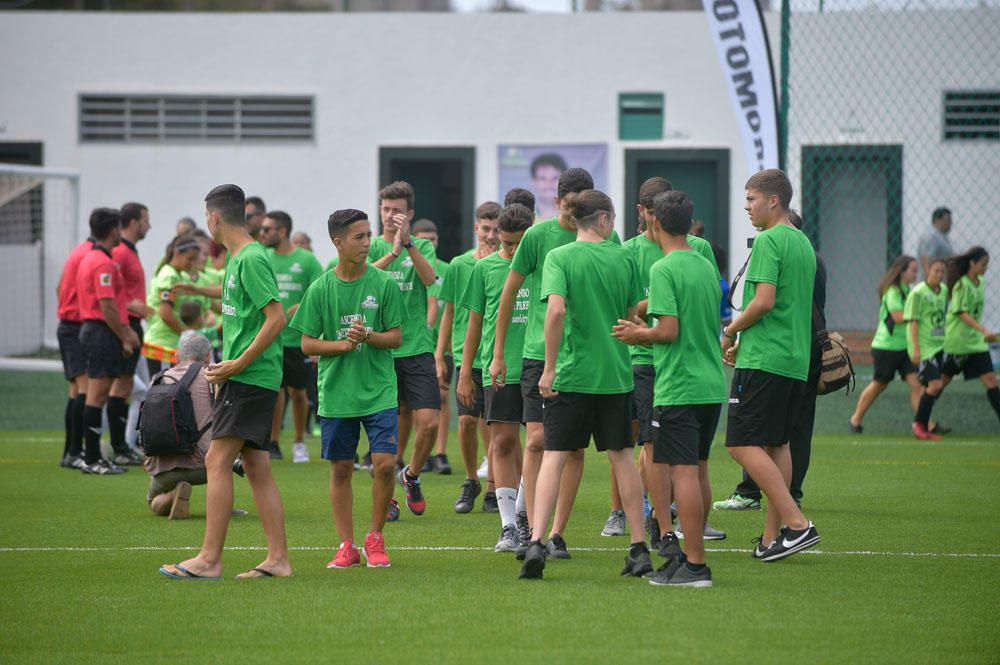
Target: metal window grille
column 971, row 115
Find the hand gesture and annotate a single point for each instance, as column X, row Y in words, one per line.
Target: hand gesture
column 498, row 372
column 628, row 332
column 465, row 391
column 219, row 373
column 546, row 382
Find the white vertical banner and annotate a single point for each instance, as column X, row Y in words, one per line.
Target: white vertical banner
column 741, row 40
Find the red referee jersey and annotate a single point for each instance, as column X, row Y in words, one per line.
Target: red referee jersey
column 98, row 277
column 127, row 258
column 69, row 300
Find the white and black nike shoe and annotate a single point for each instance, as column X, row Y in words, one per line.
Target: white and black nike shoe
column 759, row 549
column 789, row 542
column 103, row 467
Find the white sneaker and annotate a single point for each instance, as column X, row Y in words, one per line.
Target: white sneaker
column 300, row 454
column 484, row 469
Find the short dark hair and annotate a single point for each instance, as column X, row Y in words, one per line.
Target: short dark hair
column 585, row 205
column 574, row 180
column 397, row 190
column 548, row 159
column 229, row 202
column 649, row 190
column 131, row 212
column 424, row 226
column 283, row 219
column 488, row 210
column 341, row 219
column 187, row 221
column 103, row 221
column 674, row 210
column 795, row 218
column 939, row 213
column 520, row 195
column 515, row 218
column 190, row 311
column 255, row 201
column 772, row 182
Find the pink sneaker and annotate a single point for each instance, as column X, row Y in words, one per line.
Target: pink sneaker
column 921, row 433
column 374, row 550
column 346, row 557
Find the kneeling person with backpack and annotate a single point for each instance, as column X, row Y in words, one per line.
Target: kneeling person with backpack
column 175, row 428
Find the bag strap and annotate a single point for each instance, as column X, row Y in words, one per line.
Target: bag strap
column 190, row 375
column 736, row 281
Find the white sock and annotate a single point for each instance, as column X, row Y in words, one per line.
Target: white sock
column 521, row 500
column 507, row 499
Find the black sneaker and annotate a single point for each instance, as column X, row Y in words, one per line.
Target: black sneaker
column 428, row 465
column 638, row 565
column 653, row 526
column 940, row 429
column 276, row 451
column 759, row 550
column 556, row 547
column 490, row 504
column 684, row 576
column 366, row 461
column 664, row 572
column 855, row 429
column 523, row 535
column 102, row 467
column 670, row 546
column 534, row 561
column 467, row 499
column 791, row 541
column 238, row 468
column 440, row 465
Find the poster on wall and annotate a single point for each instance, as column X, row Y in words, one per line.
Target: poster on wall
column 537, row 168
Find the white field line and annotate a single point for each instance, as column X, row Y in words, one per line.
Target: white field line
column 417, row 548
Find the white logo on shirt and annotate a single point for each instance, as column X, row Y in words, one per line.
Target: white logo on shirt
column 105, row 278
column 295, row 268
column 369, row 303
column 407, row 262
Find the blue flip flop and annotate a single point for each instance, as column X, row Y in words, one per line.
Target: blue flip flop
column 188, row 575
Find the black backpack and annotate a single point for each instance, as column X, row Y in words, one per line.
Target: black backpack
column 167, row 425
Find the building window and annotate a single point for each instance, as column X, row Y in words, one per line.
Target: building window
column 202, row 119
column 971, row 115
column 640, row 116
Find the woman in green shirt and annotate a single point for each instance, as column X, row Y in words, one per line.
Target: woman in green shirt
column 889, row 343
column 165, row 326
column 924, row 315
column 966, row 340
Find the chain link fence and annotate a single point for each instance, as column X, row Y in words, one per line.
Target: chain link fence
column 893, row 112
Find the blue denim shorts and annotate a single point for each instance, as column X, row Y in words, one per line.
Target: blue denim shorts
column 341, row 435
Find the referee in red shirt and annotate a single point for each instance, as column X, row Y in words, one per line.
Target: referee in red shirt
column 105, row 335
column 135, row 226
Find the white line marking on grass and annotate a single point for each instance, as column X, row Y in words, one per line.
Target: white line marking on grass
column 419, row 548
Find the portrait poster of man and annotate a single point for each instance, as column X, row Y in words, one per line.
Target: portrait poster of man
column 537, row 168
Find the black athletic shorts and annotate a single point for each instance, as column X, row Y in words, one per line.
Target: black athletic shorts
column 449, row 362
column 970, row 365
column 931, row 368
column 531, row 372
column 684, row 433
column 890, row 363
column 73, row 360
column 644, row 376
column 102, row 350
column 763, row 407
column 295, row 369
column 416, row 381
column 477, row 409
column 572, row 418
column 504, row 405
column 128, row 369
column 244, row 412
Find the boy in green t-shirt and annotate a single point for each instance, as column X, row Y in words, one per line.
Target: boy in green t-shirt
column 438, row 461
column 454, row 323
column 925, row 311
column 684, row 298
column 351, row 317
column 410, row 262
column 503, row 406
column 247, row 382
column 294, row 269
column 772, row 360
column 587, row 378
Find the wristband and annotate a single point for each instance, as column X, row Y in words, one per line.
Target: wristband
column 408, row 245
column 394, row 255
column 726, row 333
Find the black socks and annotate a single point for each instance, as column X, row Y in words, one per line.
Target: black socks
column 924, row 409
column 117, row 419
column 993, row 394
column 92, row 433
column 68, row 421
column 76, row 426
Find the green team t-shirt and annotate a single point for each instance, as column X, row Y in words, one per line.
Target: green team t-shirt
column 893, row 300
column 362, row 382
column 201, row 279
column 417, row 336
column 248, row 287
column 683, row 284
column 779, row 342
column 161, row 291
column 434, row 291
column 599, row 282
column 457, row 279
column 529, row 261
column 214, row 275
column 483, row 297
column 645, row 253
column 928, row 310
column 960, row 338
column 704, row 248
column 294, row 272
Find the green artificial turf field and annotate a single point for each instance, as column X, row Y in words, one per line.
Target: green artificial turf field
column 908, row 570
